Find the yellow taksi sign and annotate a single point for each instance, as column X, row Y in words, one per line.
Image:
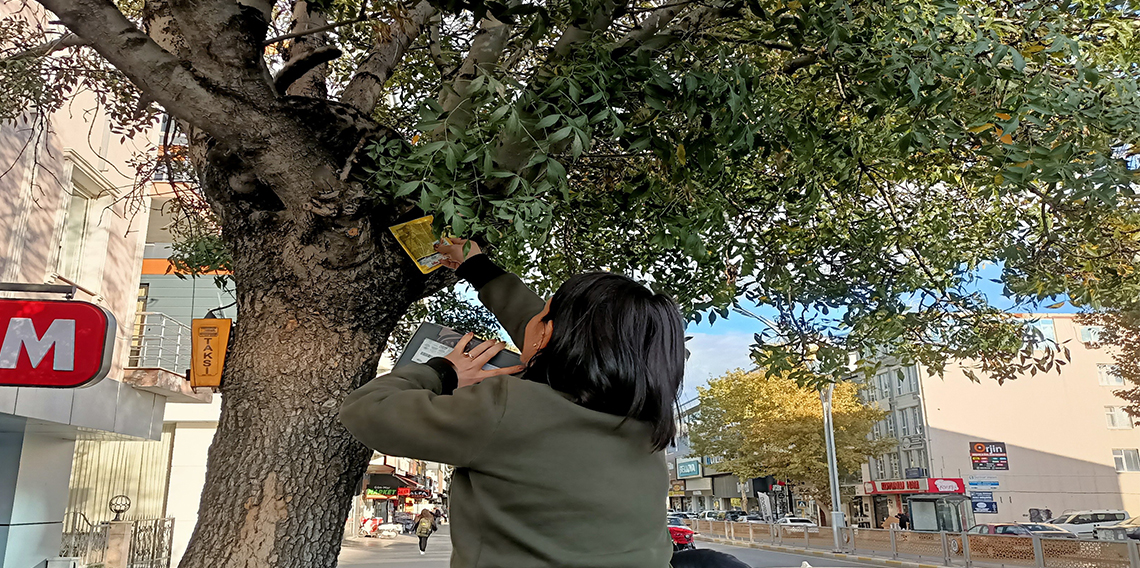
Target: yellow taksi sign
column 209, row 338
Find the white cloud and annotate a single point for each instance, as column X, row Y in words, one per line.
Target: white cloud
column 712, row 356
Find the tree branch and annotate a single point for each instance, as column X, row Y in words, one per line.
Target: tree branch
column 48, row 48
column 150, row 67
column 321, row 29
column 486, row 49
column 363, row 91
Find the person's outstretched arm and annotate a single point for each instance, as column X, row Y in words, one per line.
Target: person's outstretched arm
column 422, row 411
column 511, row 300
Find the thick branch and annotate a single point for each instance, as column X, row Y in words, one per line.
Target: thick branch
column 581, row 30
column 363, row 91
column 304, row 73
column 486, row 49
column 151, row 68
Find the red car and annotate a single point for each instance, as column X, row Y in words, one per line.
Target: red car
column 682, row 534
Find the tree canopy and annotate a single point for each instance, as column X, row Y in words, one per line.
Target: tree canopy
column 850, row 164
column 769, row 425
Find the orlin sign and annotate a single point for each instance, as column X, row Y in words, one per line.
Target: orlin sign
column 55, row 344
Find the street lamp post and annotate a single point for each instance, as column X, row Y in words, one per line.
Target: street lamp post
column 837, row 520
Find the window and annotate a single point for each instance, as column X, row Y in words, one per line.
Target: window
column 1126, row 460
column 917, row 419
column 894, row 459
column 1117, row 418
column 1042, row 330
column 83, row 233
column 891, row 425
column 884, row 380
column 912, row 378
column 880, row 471
column 1108, row 375
column 904, row 423
column 1091, row 333
column 75, row 230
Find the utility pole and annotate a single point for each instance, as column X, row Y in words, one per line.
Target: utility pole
column 837, row 520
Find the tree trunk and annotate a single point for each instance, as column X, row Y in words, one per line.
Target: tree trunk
column 312, row 323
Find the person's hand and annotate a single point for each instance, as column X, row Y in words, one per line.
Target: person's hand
column 469, row 365
column 453, row 253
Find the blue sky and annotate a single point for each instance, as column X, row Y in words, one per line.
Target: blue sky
column 724, row 345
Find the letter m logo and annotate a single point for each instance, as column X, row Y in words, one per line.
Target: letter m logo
column 21, row 336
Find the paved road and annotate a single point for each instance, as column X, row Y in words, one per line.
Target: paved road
column 404, row 551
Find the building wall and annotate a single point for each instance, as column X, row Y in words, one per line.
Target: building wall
column 1055, row 429
column 104, row 468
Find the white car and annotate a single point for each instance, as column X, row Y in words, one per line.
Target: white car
column 796, row 521
column 1084, row 523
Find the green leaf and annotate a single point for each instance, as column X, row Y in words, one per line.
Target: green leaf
column 548, row 121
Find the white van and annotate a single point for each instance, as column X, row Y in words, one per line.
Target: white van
column 1084, row 523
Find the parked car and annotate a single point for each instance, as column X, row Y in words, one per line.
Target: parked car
column 993, row 540
column 797, row 521
column 1124, row 530
column 735, row 516
column 712, row 516
column 754, row 519
column 681, row 534
column 1044, row 530
column 684, row 514
column 1084, row 523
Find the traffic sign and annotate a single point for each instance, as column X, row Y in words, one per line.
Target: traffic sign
column 54, row 344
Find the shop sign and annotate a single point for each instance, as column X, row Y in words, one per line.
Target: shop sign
column 209, row 338
column 690, row 467
column 981, row 495
column 677, row 489
column 380, row 492
column 54, row 344
column 985, row 507
column 404, row 491
column 420, row 494
column 989, row 456
column 905, row 486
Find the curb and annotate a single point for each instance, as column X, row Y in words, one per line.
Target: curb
column 821, row 554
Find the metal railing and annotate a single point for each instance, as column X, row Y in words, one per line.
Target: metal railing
column 160, row 342
column 151, row 541
column 946, row 548
column 84, row 540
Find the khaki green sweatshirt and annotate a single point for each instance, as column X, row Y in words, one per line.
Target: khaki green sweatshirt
column 539, row 480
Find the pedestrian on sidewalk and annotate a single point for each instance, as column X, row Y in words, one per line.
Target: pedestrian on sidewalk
column 904, row 519
column 602, row 366
column 424, row 524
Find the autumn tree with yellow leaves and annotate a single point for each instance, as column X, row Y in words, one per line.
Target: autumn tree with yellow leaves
column 761, row 425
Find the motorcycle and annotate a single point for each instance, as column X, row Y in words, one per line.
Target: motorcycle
column 375, row 527
column 682, row 538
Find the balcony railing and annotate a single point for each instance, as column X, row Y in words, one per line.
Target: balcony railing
column 160, row 342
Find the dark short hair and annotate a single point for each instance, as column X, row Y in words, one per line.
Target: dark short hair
column 617, row 348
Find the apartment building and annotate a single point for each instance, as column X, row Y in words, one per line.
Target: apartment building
column 1032, row 448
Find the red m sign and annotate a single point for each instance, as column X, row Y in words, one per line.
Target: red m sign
column 46, row 343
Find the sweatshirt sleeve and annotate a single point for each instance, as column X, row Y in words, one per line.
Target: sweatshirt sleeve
column 512, row 301
column 404, row 414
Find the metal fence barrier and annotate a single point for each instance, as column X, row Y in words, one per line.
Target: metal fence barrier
column 948, row 549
